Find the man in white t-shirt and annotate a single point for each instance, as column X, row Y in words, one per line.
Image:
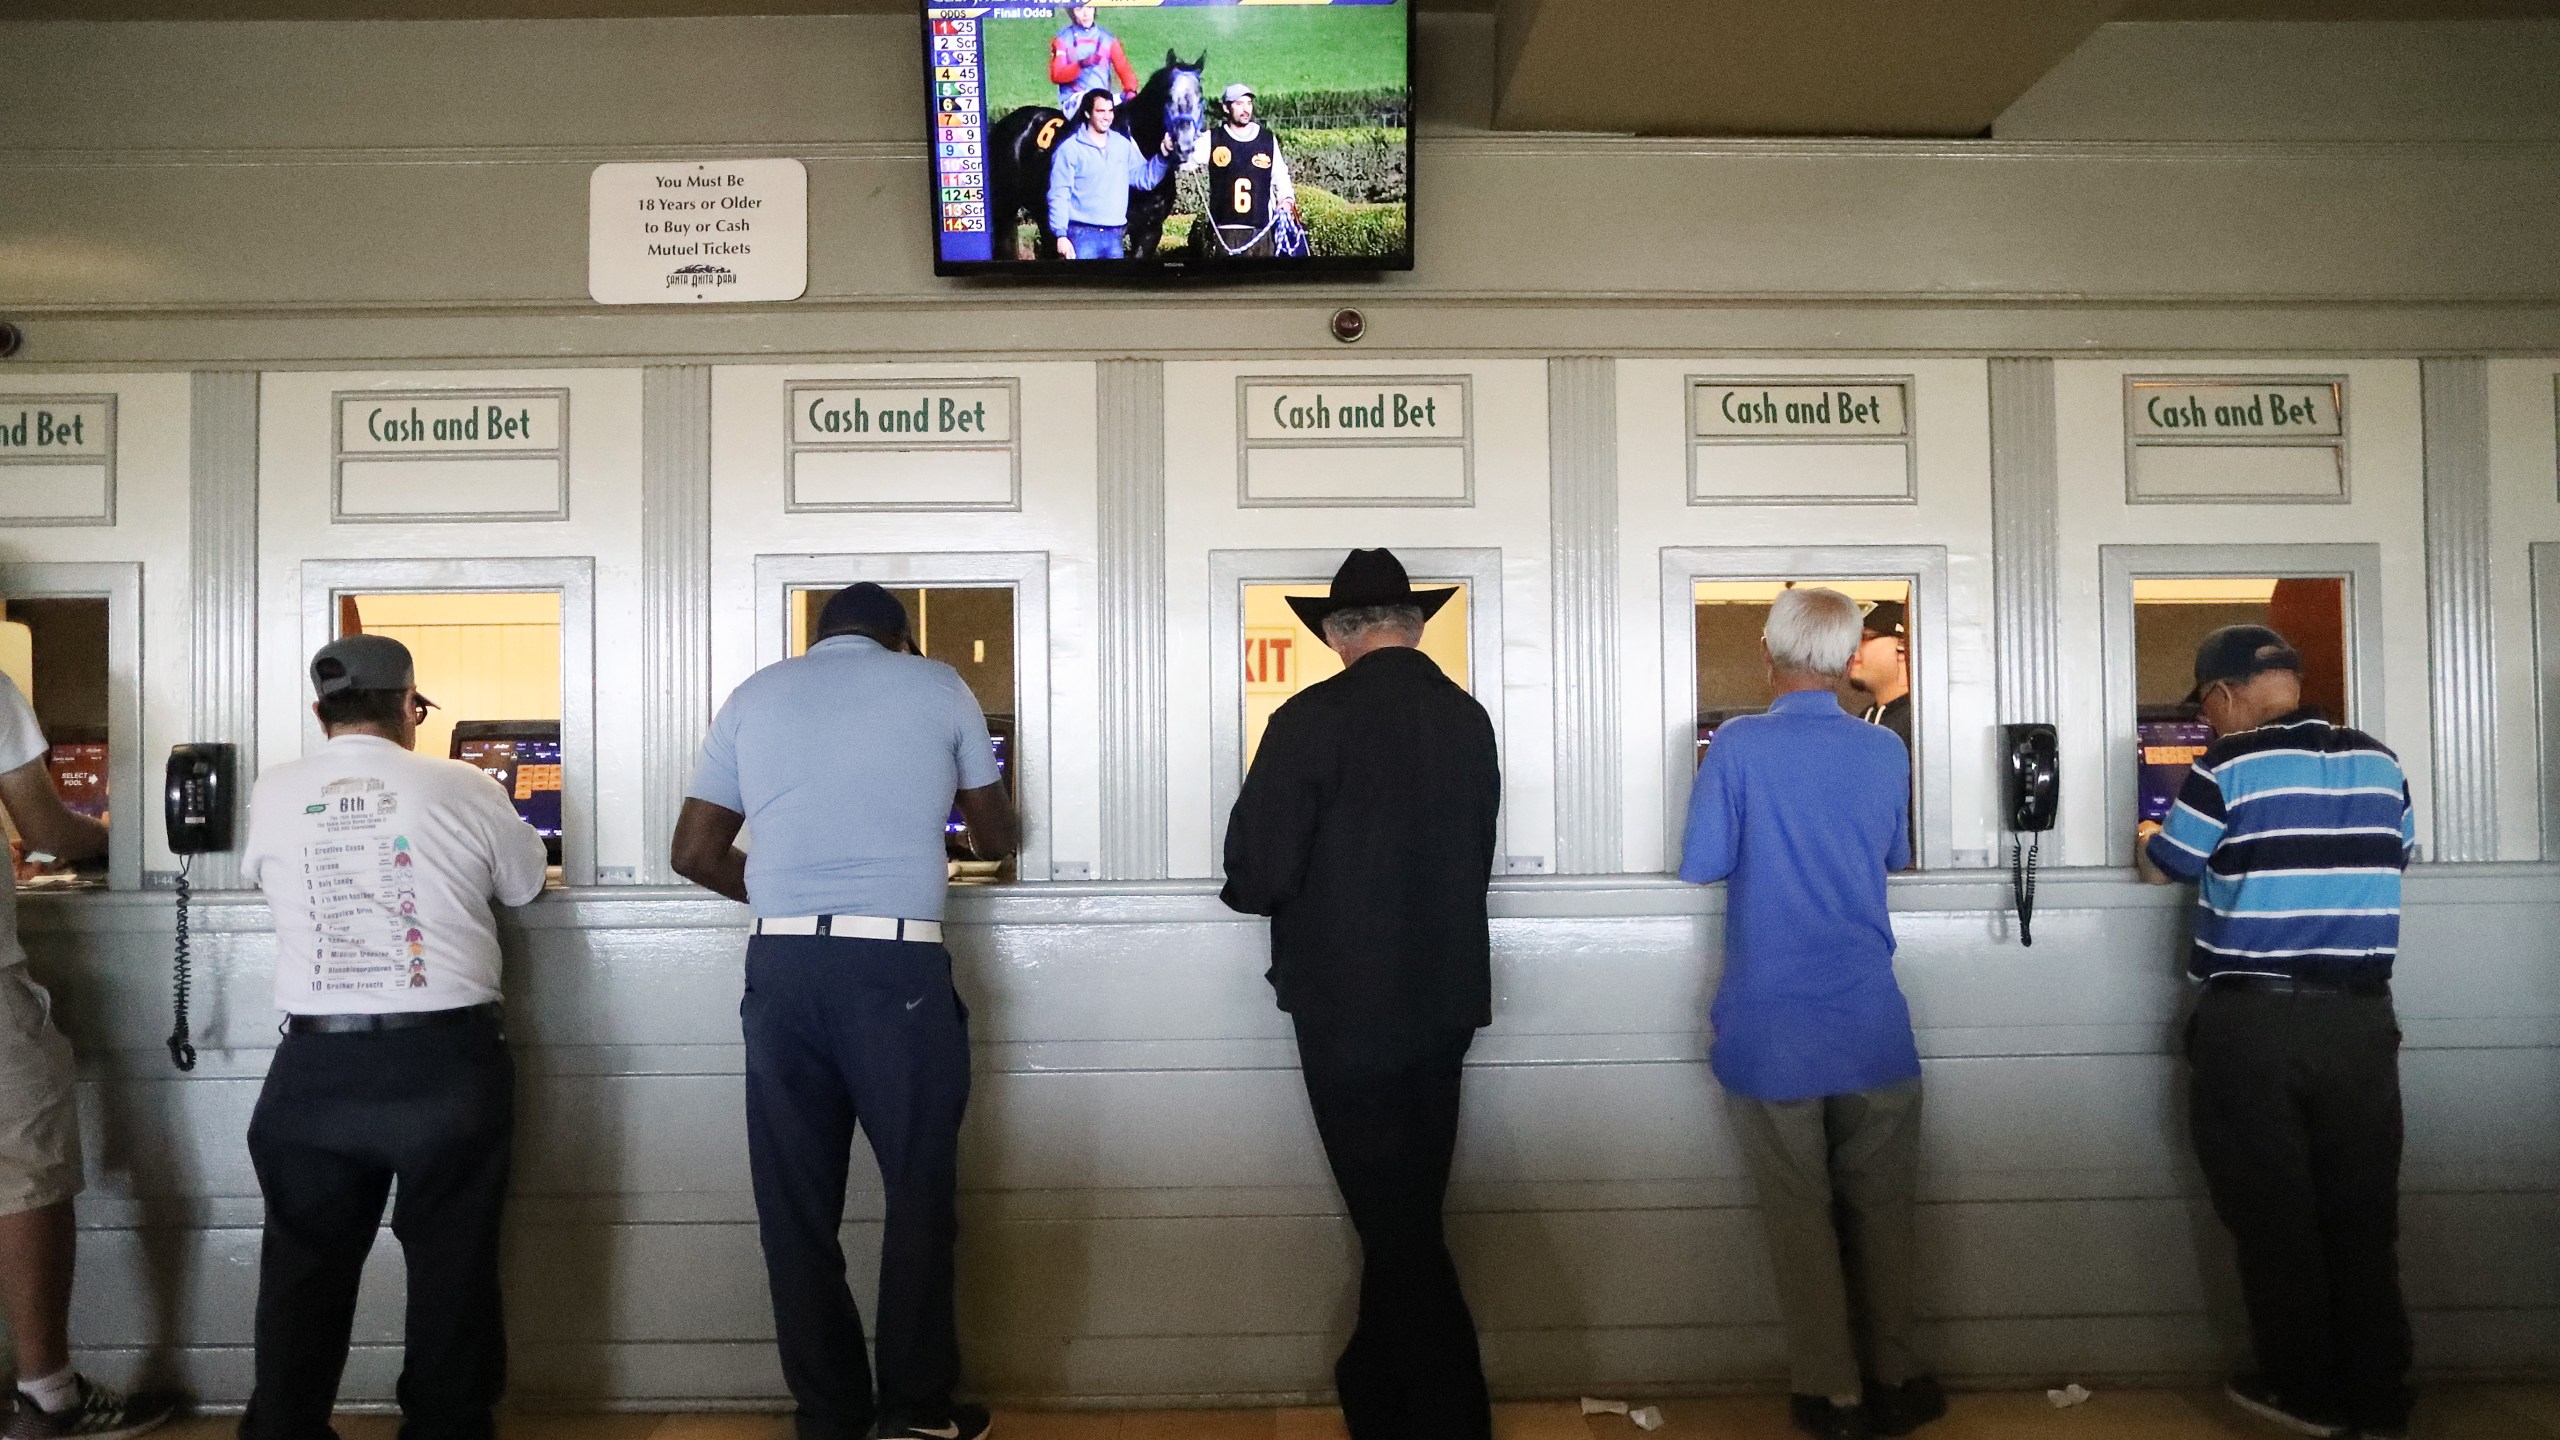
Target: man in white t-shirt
column 380, row 864
column 40, row 1168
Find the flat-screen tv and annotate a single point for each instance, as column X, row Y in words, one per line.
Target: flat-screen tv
column 523, row 756
column 1151, row 137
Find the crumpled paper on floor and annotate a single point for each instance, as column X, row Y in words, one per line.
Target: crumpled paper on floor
column 2067, row 1396
column 1643, row 1417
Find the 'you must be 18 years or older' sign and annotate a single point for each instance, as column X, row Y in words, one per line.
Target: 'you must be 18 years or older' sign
column 688, row 232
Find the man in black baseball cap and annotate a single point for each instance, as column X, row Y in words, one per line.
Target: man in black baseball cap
column 2296, row 832
column 1882, row 668
column 2236, row 653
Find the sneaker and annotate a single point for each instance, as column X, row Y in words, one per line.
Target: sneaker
column 960, row 1422
column 1815, row 1415
column 1901, row 1409
column 99, row 1414
column 2253, row 1394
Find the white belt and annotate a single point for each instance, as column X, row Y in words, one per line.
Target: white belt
column 853, row 927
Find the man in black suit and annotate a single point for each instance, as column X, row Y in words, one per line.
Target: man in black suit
column 1366, row 832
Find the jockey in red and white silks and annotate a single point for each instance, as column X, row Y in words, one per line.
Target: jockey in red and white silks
column 1084, row 56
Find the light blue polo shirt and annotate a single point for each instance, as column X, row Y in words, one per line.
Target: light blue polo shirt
column 844, row 761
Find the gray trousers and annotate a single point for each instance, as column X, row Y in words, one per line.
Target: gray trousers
column 1835, row 1176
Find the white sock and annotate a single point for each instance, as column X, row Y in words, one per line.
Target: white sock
column 53, row 1391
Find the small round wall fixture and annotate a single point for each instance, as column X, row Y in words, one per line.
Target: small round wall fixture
column 1349, row 325
column 11, row 337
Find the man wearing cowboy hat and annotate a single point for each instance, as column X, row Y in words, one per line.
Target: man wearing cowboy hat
column 1366, row 832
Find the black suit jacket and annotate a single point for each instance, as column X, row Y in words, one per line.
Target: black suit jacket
column 1366, row 832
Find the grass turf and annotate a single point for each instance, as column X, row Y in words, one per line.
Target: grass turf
column 1276, row 49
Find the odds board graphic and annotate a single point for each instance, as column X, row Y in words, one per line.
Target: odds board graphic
column 1136, row 136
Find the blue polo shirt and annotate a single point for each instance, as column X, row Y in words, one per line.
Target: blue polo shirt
column 1803, row 810
column 844, row 761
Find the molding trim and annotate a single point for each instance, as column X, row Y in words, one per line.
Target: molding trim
column 2461, row 638
column 1582, row 514
column 2026, row 539
column 222, row 583
column 1129, row 397
column 675, row 599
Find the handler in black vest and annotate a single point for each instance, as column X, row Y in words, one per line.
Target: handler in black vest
column 1366, row 832
column 1249, row 187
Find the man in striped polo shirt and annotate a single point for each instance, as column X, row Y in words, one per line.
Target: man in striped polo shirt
column 2297, row 831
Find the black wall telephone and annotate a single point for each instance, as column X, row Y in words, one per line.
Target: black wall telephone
column 2031, row 791
column 202, row 791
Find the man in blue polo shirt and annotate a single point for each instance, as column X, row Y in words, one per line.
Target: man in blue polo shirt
column 2297, row 831
column 1803, row 810
column 847, row 760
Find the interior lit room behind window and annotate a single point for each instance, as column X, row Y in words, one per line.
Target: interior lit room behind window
column 970, row 629
column 1733, row 678
column 56, row 650
column 2170, row 616
column 1282, row 656
column 491, row 663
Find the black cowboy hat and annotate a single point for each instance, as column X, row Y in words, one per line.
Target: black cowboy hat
column 1368, row 578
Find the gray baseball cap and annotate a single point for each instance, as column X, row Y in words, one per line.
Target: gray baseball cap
column 363, row 662
column 1234, row 93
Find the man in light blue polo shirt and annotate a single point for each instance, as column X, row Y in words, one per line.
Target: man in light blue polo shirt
column 847, row 761
column 1803, row 810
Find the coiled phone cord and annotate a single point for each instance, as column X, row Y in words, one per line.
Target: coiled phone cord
column 182, row 1051
column 2022, row 883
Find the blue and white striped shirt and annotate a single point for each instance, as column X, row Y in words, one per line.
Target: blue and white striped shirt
column 2298, row 832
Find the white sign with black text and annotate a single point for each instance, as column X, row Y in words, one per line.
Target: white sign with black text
column 691, row 232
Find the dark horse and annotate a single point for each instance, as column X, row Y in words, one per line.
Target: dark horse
column 1019, row 147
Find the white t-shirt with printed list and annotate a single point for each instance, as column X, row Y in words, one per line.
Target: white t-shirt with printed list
column 21, row 741
column 379, row 865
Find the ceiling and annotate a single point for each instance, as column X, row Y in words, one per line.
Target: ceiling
column 1654, row 67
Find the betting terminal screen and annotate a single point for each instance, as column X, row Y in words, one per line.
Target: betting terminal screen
column 79, row 774
column 525, row 759
column 2166, row 750
column 955, row 830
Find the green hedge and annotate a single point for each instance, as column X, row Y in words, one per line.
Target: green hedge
column 1336, row 226
column 1306, row 109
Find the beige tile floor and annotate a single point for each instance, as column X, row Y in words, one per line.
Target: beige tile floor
column 2473, row 1412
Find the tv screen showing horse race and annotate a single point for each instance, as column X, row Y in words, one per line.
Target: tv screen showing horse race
column 1148, row 135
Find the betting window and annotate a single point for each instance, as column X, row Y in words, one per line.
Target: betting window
column 985, row 614
column 971, row 629
column 2161, row 603
column 68, row 637
column 1260, row 654
column 491, row 663
column 1715, row 603
column 1282, row 656
column 505, row 650
column 56, row 651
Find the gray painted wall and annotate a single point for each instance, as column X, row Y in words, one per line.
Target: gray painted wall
column 1146, row 1212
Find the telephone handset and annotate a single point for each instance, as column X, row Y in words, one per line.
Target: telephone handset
column 2031, row 793
column 202, row 780
column 201, row 792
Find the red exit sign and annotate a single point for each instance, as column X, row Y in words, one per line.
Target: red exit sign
column 1271, row 660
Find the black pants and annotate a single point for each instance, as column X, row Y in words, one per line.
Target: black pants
column 2296, row 1112
column 340, row 1119
column 841, row 1030
column 1386, row 1107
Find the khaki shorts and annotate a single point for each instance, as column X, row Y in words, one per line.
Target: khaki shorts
column 39, row 1119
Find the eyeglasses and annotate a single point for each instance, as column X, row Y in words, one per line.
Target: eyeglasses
column 417, row 708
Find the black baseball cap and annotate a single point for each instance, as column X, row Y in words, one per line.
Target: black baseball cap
column 2236, row 652
column 363, row 662
column 863, row 606
column 1888, row 617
